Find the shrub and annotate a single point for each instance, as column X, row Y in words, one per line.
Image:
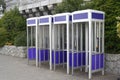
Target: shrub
column 3, row 36
column 20, row 39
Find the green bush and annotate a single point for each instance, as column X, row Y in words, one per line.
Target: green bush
column 14, row 23
column 20, row 39
column 3, row 36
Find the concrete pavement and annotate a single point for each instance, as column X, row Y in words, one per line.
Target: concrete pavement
column 12, row 68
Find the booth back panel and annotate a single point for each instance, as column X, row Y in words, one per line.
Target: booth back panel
column 97, row 61
column 32, row 53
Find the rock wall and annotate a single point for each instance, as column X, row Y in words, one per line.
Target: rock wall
column 112, row 63
column 14, row 51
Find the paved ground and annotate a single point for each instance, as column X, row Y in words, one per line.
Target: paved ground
column 12, row 68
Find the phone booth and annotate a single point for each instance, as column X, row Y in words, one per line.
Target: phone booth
column 77, row 52
column 92, row 30
column 60, row 41
column 44, row 38
column 31, row 38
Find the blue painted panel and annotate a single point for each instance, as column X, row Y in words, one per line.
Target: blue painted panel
column 97, row 16
column 79, row 59
column 31, row 53
column 29, row 22
column 70, row 18
column 80, row 16
column 44, row 20
column 70, row 59
column 84, row 58
column 61, row 56
column 60, row 18
column 102, row 61
column 47, row 55
column 93, row 62
column 59, row 59
column 65, row 56
column 75, row 60
column 41, row 55
column 52, row 57
column 97, row 61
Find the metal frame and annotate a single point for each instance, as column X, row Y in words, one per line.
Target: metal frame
column 93, row 38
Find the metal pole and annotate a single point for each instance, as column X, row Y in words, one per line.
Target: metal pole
column 54, row 43
column 59, row 42
column 103, row 72
column 77, row 42
column 86, row 46
column 27, row 44
column 90, row 49
column 63, row 44
column 50, row 40
column 81, row 43
column 36, row 44
column 72, row 46
column 67, row 44
column 95, row 42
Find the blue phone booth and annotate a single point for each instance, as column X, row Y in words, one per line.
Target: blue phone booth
column 92, row 22
column 44, row 38
column 31, row 38
column 61, row 24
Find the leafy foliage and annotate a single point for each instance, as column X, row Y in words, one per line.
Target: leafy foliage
column 111, row 9
column 14, row 23
column 3, row 35
column 20, row 39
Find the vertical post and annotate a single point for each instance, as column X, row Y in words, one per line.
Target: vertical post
column 36, row 43
column 100, row 43
column 90, row 49
column 59, row 42
column 54, row 43
column 27, row 44
column 103, row 24
column 77, row 42
column 95, row 39
column 67, row 17
column 50, row 41
column 86, row 45
column 72, row 46
column 99, row 36
column 63, row 44
column 81, row 44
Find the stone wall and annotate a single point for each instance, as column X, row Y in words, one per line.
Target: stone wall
column 14, row 51
column 112, row 63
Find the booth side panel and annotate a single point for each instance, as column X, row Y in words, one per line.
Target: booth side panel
column 31, row 53
column 78, row 57
column 43, row 55
column 60, row 57
column 97, row 61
